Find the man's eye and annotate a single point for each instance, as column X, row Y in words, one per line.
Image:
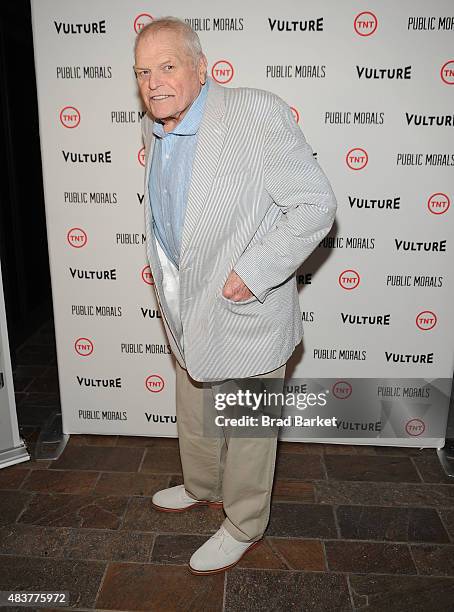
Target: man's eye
column 168, row 67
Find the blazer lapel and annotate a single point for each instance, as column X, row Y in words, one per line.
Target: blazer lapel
column 211, row 136
column 149, row 155
column 151, row 246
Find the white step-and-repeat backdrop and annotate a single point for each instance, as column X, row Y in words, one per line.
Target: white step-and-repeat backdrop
column 372, row 87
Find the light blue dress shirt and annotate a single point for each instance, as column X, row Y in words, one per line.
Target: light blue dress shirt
column 170, row 176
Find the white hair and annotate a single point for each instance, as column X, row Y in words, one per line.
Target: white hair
column 174, row 24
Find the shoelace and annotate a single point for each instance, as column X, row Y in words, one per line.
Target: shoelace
column 220, row 535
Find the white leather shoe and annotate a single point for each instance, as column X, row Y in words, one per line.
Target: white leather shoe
column 221, row 552
column 175, row 499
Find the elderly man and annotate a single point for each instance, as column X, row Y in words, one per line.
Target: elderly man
column 234, row 203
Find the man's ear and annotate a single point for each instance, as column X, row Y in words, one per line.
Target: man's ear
column 203, row 63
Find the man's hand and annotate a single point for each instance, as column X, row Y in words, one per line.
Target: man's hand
column 234, row 288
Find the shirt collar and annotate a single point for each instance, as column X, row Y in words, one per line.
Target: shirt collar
column 190, row 123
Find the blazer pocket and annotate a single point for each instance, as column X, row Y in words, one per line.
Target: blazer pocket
column 240, row 303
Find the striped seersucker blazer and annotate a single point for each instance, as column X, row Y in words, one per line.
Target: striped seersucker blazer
column 259, row 203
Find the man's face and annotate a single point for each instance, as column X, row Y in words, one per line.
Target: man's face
column 170, row 82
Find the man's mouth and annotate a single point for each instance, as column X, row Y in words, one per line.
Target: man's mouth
column 161, row 97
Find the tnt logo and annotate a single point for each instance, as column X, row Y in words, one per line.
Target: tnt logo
column 415, row 427
column 141, row 21
column 83, row 347
column 154, row 383
column 349, row 279
column 69, row 117
column 141, row 156
column 222, row 72
column 426, row 320
column 147, row 276
column 295, row 114
column 342, row 389
column 76, row 237
column 365, row 23
column 438, row 203
column 357, row 158
column 447, row 72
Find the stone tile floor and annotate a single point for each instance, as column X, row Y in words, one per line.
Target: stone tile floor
column 352, row 527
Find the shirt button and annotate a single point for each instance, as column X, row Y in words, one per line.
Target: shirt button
column 167, row 156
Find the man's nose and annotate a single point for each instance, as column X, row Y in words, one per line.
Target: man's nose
column 153, row 81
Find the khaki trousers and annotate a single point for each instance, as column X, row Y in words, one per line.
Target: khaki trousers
column 237, row 470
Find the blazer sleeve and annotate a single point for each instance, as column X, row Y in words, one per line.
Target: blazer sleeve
column 298, row 185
